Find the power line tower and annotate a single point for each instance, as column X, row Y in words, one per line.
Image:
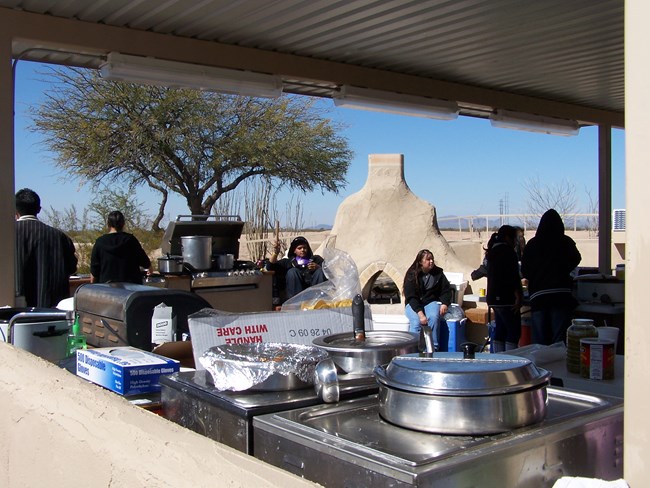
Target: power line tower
column 504, row 209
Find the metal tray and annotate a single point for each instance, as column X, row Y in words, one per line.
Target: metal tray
column 580, row 436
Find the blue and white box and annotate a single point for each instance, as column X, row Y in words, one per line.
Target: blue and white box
column 124, row 370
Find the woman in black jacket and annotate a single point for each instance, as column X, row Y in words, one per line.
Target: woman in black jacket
column 118, row 255
column 504, row 292
column 548, row 260
column 427, row 293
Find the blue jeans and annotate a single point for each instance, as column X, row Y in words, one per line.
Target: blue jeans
column 300, row 279
column 508, row 324
column 549, row 324
column 432, row 311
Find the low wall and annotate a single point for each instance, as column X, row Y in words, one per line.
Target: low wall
column 57, row 430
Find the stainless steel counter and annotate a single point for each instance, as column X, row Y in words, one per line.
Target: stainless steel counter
column 191, row 400
column 348, row 444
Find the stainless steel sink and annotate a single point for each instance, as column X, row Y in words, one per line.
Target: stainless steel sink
column 349, row 444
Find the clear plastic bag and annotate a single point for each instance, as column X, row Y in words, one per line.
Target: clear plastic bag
column 454, row 312
column 341, row 287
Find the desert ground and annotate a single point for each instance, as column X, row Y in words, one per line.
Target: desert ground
column 469, row 246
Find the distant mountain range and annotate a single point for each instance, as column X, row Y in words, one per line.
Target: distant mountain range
column 320, row 227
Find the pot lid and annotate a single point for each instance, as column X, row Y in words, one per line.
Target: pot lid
column 451, row 375
column 375, row 340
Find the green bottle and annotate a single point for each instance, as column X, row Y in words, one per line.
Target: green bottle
column 76, row 339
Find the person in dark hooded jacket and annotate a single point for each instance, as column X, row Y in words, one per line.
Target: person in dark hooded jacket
column 547, row 263
column 117, row 256
column 504, row 292
column 299, row 270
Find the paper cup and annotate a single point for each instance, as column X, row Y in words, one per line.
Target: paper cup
column 610, row 333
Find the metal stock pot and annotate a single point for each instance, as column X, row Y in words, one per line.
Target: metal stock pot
column 197, row 252
column 448, row 394
column 361, row 357
column 170, row 264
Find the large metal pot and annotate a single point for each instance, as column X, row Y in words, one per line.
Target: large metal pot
column 197, row 252
column 447, row 394
column 170, row 264
column 353, row 356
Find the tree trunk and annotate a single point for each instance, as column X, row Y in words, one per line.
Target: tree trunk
column 155, row 225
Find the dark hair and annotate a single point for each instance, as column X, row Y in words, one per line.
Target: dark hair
column 506, row 234
column 27, row 202
column 416, row 268
column 297, row 242
column 115, row 220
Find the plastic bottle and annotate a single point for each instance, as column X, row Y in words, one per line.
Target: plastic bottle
column 579, row 329
column 76, row 339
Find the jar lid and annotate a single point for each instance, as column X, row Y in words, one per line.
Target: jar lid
column 582, row 322
column 450, row 375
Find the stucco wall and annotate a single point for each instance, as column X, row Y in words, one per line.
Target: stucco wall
column 57, row 430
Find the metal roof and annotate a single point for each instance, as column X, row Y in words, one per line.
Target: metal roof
column 568, row 53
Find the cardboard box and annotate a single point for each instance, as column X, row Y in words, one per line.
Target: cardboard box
column 209, row 328
column 179, row 350
column 124, row 370
column 477, row 315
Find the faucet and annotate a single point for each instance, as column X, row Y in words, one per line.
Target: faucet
column 425, row 345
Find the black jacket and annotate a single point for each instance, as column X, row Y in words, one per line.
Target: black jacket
column 118, row 256
column 547, row 262
column 503, row 279
column 417, row 296
column 45, row 259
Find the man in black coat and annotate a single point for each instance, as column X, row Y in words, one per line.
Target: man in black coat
column 45, row 256
column 547, row 263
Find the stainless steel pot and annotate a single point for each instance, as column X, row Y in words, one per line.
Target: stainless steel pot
column 447, row 394
column 361, row 357
column 197, row 252
column 225, row 261
column 170, row 264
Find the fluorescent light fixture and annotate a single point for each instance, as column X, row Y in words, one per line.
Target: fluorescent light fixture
column 506, row 119
column 159, row 72
column 395, row 103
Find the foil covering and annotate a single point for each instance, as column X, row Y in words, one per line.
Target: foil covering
column 239, row 367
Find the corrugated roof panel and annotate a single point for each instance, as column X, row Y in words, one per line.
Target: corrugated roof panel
column 569, row 51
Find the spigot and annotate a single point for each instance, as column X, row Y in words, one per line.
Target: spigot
column 425, row 345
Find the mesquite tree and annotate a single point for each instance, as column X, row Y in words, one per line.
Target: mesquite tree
column 198, row 144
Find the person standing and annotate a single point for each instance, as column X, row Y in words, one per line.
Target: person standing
column 45, row 256
column 427, row 293
column 504, row 292
column 118, row 255
column 547, row 263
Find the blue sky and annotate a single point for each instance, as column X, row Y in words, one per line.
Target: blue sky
column 463, row 167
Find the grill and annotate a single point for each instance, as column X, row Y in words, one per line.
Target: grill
column 119, row 314
column 225, row 231
column 240, row 289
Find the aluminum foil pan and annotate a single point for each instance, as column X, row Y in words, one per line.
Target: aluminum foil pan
column 271, row 366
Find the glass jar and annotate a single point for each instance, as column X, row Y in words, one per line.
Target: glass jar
column 579, row 329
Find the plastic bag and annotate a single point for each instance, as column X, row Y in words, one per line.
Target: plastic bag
column 341, row 287
column 454, row 312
